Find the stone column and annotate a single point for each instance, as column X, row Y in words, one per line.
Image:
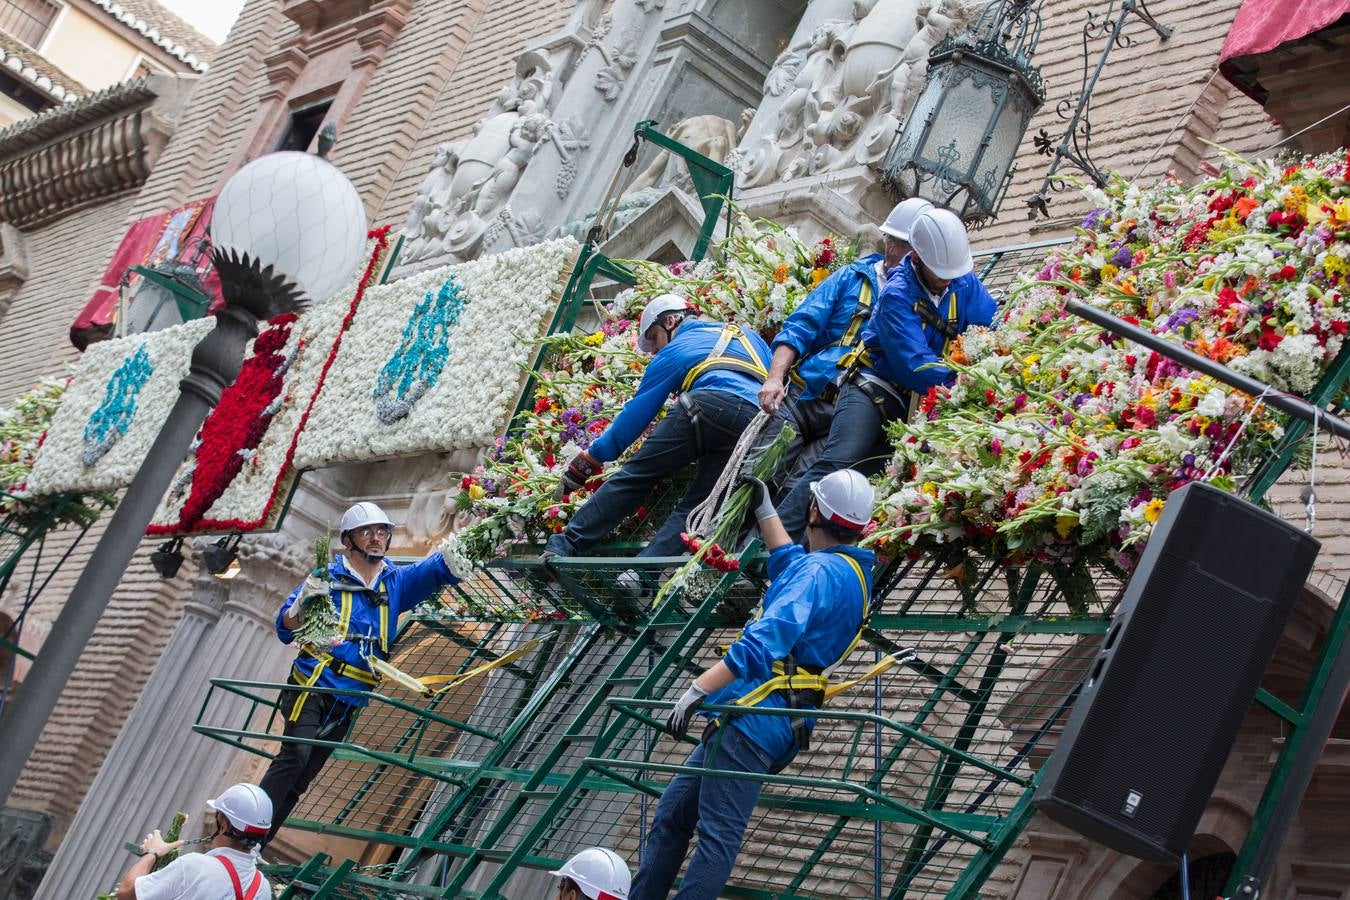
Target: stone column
column 158, row 765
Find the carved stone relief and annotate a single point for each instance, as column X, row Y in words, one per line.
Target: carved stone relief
column 470, row 182
column 845, row 86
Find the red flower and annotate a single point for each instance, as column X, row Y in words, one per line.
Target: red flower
column 1338, row 326
column 990, row 397
column 1269, row 339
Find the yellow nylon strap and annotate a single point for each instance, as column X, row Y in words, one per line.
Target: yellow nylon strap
column 801, row 679
column 384, row 627
column 718, row 359
column 951, row 318
column 425, row 685
column 306, row 681
column 882, row 665
column 798, row 682
column 860, row 314
column 322, row 658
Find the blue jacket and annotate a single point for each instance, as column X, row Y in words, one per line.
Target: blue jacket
column 403, row 587
column 898, row 342
column 817, row 324
column 812, row 609
column 692, row 343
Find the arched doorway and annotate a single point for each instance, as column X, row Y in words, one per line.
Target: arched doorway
column 1208, row 875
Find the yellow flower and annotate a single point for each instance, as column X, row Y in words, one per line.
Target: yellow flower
column 1065, row 524
column 818, row 275
column 1153, row 510
column 929, row 488
column 1295, row 199
column 476, row 492
column 1334, row 265
column 1107, row 272
column 594, row 339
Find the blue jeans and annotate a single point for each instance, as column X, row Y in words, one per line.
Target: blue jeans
column 718, row 808
column 857, row 440
column 706, row 436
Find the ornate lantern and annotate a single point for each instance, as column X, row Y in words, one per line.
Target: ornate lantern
column 958, row 143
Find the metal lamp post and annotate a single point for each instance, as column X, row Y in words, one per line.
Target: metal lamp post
column 287, row 228
column 958, row 143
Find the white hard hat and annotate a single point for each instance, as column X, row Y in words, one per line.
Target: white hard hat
column 901, row 219
column 599, row 872
column 844, row 498
column 658, row 307
column 362, row 514
column 247, row 806
column 939, row 240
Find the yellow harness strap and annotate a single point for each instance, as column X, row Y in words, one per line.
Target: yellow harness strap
column 719, row 359
column 433, row 685
column 325, row 660
column 804, row 680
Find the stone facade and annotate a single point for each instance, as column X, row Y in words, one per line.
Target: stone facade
column 481, row 124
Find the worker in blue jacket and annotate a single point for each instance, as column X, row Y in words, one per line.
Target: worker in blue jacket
column 368, row 593
column 810, row 618
column 716, row 370
column 929, row 299
column 825, row 326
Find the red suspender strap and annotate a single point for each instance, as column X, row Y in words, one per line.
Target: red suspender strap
column 234, row 880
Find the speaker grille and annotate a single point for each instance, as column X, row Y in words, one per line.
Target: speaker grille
column 1153, row 727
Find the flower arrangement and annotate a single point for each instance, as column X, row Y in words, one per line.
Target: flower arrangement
column 756, row 278
column 23, row 426
column 514, row 492
column 1059, row 442
column 504, row 305
column 124, row 387
column 259, row 418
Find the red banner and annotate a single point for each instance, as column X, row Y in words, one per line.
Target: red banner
column 152, row 241
column 1263, row 25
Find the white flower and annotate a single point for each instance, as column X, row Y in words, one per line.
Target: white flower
column 58, row 466
column 1212, row 404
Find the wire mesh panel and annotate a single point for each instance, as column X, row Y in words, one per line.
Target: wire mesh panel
column 909, row 777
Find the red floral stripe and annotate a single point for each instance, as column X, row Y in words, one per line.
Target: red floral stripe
column 381, row 237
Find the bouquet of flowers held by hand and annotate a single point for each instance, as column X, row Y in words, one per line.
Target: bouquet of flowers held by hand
column 1058, row 441
column 319, row 625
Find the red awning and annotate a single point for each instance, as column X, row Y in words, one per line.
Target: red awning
column 151, row 241
column 1264, row 25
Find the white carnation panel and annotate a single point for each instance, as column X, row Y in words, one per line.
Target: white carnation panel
column 250, row 496
column 509, row 299
column 59, row 465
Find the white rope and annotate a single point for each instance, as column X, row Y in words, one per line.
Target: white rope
column 1242, row 429
column 1175, row 126
column 1310, row 493
column 701, row 517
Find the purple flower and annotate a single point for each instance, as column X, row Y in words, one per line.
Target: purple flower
column 1093, row 218
column 1179, row 319
column 1123, row 258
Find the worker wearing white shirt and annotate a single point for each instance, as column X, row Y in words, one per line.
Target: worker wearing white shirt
column 227, row 871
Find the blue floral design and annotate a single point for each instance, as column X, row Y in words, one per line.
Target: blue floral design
column 110, row 421
column 422, row 352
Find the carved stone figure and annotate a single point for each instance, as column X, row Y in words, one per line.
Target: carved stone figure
column 470, row 182
column 846, row 87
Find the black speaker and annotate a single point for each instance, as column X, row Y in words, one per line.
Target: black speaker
column 1176, row 674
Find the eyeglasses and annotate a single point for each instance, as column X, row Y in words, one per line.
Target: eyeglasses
column 367, row 532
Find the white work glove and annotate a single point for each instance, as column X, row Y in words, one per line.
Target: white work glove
column 764, row 508
column 677, row 723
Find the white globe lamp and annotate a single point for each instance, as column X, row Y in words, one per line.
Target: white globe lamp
column 288, row 229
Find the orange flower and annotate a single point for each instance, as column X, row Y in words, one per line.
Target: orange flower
column 780, row 273
column 1244, row 206
column 818, row 275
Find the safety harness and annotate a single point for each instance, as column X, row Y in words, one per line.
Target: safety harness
column 239, row 893
column 325, row 660
column 805, row 686
column 718, row 358
column 861, row 312
column 434, row 685
column 890, row 403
